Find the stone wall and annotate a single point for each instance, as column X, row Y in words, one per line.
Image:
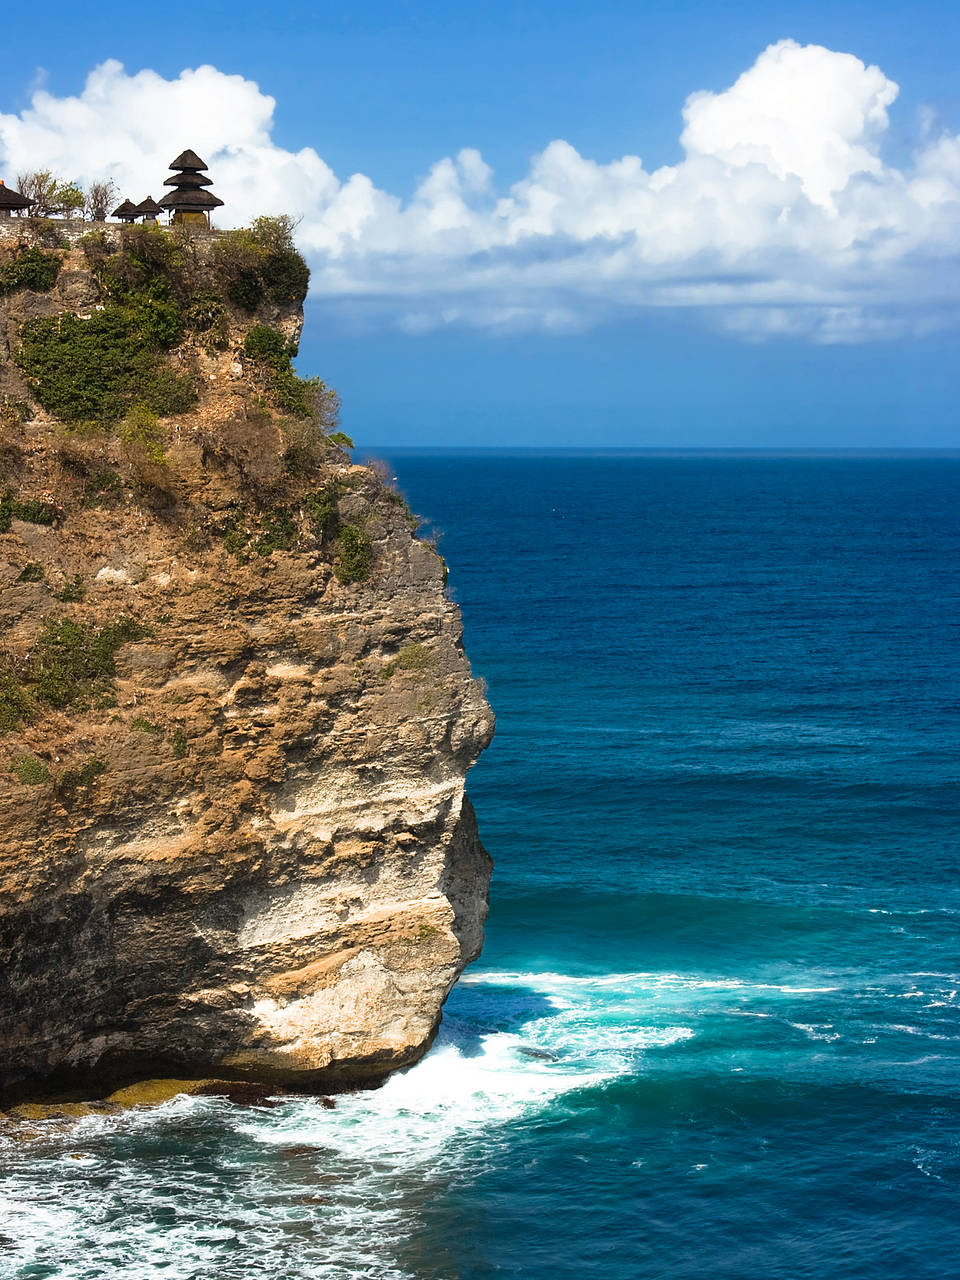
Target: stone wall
column 67, row 232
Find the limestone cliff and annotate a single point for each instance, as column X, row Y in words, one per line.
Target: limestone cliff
column 235, row 711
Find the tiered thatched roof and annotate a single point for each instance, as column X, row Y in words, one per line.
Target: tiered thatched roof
column 188, row 195
column 148, row 208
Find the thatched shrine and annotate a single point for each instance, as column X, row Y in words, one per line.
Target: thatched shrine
column 189, row 201
column 148, row 209
column 126, row 212
column 12, row 202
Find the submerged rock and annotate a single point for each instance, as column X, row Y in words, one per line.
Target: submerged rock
column 235, row 723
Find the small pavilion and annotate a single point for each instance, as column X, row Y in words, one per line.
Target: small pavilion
column 12, row 202
column 148, row 209
column 188, row 201
column 126, row 212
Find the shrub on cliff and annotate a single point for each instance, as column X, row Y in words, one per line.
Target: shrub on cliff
column 72, row 664
column 15, row 706
column 354, row 554
column 31, row 510
column 141, row 436
column 297, row 397
column 96, row 369
column 262, row 262
column 269, row 346
column 149, row 276
column 30, row 269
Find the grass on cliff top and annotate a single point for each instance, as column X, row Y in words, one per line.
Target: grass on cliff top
column 156, row 289
column 261, row 262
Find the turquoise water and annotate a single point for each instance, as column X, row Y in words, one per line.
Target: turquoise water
column 715, row 1029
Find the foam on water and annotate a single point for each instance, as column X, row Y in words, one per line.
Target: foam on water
column 297, row 1189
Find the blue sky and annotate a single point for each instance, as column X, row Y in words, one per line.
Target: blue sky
column 388, row 90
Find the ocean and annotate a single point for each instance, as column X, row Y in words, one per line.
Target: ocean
column 715, row 1030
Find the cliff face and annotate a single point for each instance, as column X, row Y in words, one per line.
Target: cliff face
column 235, row 712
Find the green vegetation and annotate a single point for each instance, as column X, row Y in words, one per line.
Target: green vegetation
column 30, row 269
column 30, row 509
column 72, row 590
column 262, row 262
column 31, row 771
column 98, row 369
column 179, row 743
column 236, row 535
column 321, row 510
column 146, row 726
column 245, row 534
column 278, row 532
column 292, row 395
column 50, row 193
column 72, row 664
column 354, row 554
column 264, row 343
column 140, row 433
column 341, row 438
column 101, row 486
column 67, row 784
column 31, row 573
column 274, row 529
column 15, row 706
column 12, row 412
column 150, row 276
column 413, row 659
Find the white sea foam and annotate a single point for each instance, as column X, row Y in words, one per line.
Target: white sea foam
column 556, row 985
column 302, row 1190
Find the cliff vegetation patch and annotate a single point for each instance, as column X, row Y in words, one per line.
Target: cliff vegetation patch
column 71, row 665
column 298, row 397
column 354, row 554
column 30, row 510
column 94, row 370
column 261, row 262
column 30, row 269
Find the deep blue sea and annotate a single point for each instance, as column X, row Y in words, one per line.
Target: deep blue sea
column 715, row 1033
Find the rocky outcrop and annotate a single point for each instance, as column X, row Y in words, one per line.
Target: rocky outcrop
column 235, row 722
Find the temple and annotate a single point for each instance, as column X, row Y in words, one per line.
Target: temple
column 148, row 209
column 188, row 201
column 126, row 211
column 12, row 202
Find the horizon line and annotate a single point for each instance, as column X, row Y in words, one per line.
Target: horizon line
column 943, row 451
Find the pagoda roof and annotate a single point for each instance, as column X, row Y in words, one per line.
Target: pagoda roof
column 188, row 180
column 10, row 199
column 198, row 200
column 124, row 210
column 148, row 206
column 188, row 160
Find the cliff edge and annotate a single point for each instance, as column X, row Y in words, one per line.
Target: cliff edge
column 235, row 711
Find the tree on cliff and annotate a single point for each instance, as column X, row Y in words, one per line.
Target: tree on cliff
column 98, row 198
column 50, row 194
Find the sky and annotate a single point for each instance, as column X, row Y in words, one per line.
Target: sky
column 657, row 224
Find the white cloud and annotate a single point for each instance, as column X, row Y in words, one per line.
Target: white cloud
column 782, row 217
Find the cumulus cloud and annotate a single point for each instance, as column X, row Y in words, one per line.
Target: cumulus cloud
column 782, row 217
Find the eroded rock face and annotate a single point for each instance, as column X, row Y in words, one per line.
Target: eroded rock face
column 247, row 848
